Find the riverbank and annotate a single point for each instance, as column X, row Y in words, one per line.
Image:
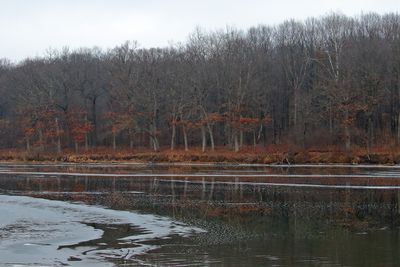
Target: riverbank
column 265, row 155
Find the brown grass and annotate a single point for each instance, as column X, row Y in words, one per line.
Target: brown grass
column 272, row 154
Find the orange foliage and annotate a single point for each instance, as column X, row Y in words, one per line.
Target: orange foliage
column 29, row 131
column 79, row 126
column 215, row 117
column 118, row 121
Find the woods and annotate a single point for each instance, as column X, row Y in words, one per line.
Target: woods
column 322, row 82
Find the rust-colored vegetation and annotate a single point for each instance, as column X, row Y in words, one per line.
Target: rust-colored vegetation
column 271, row 154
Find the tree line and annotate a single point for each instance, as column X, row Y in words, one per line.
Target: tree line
column 328, row 81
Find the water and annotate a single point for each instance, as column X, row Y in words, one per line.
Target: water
column 198, row 215
column 47, row 232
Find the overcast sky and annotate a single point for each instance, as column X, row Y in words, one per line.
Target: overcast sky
column 28, row 28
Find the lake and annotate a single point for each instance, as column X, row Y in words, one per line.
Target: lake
column 133, row 214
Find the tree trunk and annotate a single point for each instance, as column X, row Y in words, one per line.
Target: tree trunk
column 228, row 136
column 41, row 142
column 94, row 121
column 398, row 118
column 86, row 136
column 151, row 143
column 185, row 138
column 86, row 142
column 210, row 131
column 330, row 121
column 76, row 147
column 347, row 137
column 156, row 145
column 130, row 139
column 58, row 136
column 398, row 128
column 347, row 132
column 295, row 100
column 254, row 139
column 114, row 142
column 28, row 144
column 173, row 137
column 203, row 139
column 236, row 141
column 370, row 133
column 211, row 136
column 241, row 134
column 58, row 144
column 260, row 131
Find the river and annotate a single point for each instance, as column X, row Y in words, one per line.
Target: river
column 199, row 215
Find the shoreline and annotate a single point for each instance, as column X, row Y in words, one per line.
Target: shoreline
column 388, row 157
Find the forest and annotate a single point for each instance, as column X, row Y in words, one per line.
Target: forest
column 331, row 81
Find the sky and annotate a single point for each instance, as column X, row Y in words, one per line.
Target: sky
column 28, row 28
